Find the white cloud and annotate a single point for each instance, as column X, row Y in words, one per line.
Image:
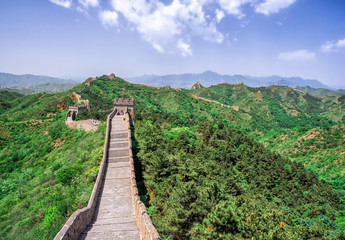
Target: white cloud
column 185, row 48
column 266, row 7
column 300, row 55
column 234, row 6
column 219, row 15
column 168, row 27
column 333, row 46
column 158, row 48
column 340, row 43
column 272, row 6
column 109, row 18
column 328, row 47
column 89, row 3
column 62, row 3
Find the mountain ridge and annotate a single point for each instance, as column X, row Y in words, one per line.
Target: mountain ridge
column 207, row 78
column 29, row 80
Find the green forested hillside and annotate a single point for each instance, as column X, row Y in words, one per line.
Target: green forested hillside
column 201, row 168
column 320, row 150
column 208, row 181
column 47, row 170
column 276, row 107
column 6, row 97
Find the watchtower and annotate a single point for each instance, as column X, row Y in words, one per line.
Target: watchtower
column 124, row 105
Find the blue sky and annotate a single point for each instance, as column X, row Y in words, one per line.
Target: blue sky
column 82, row 38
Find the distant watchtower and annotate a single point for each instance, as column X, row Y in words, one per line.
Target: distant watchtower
column 124, row 105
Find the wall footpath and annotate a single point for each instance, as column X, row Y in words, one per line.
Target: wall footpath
column 82, row 217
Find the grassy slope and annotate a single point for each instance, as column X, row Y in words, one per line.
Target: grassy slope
column 6, row 97
column 47, row 170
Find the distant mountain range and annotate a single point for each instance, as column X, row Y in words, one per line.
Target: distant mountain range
column 28, row 80
column 212, row 78
column 28, row 83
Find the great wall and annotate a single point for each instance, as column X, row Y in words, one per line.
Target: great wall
column 115, row 210
column 236, row 108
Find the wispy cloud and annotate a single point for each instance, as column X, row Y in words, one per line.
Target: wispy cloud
column 184, row 48
column 109, row 18
column 89, row 3
column 234, row 6
column 333, row 46
column 272, row 6
column 266, row 7
column 62, row 3
column 219, row 15
column 300, row 55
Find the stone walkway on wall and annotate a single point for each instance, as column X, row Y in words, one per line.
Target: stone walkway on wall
column 114, row 216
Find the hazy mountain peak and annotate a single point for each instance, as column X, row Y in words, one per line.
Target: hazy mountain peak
column 197, row 86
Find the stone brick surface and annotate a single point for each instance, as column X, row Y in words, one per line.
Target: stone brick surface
column 114, row 210
column 114, row 216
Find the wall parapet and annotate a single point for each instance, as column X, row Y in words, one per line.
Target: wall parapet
column 146, row 228
column 82, row 217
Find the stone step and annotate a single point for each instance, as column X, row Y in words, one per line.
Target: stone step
column 118, row 153
column 108, row 213
column 114, row 184
column 116, row 140
column 115, row 173
column 108, row 204
column 111, row 220
column 118, row 164
column 118, row 146
column 114, row 216
column 118, row 160
column 119, row 135
column 119, row 129
column 111, row 235
column 129, row 226
column 117, row 167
